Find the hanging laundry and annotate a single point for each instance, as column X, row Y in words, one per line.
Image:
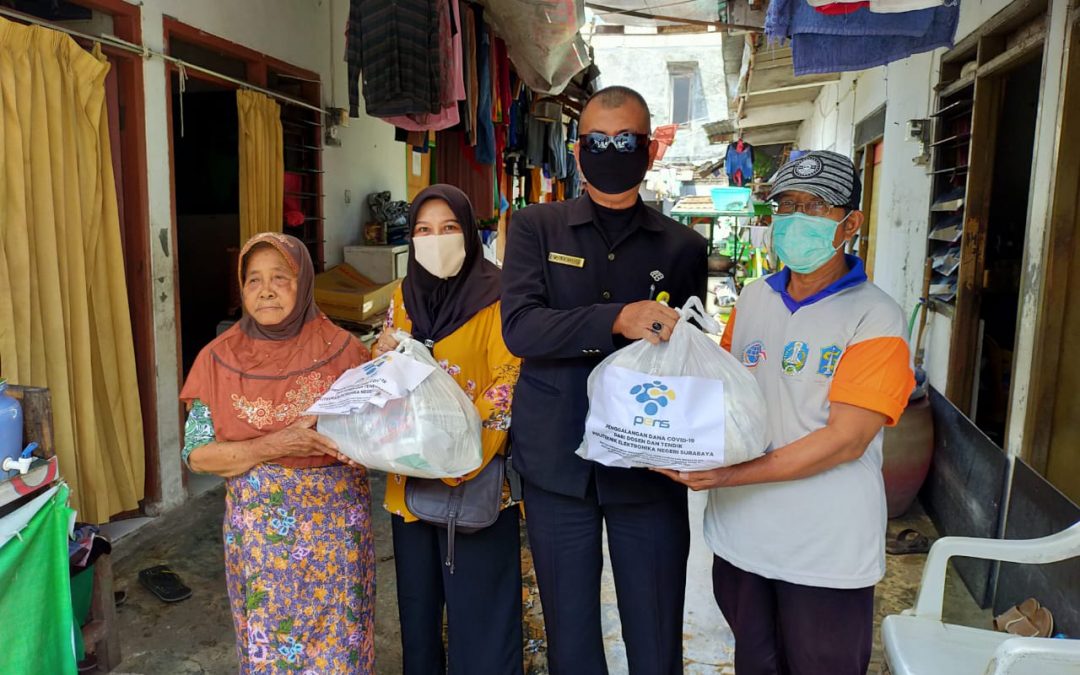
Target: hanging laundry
column 395, row 47
column 451, row 76
column 555, row 155
column 518, row 121
column 665, row 138
column 502, row 68
column 294, row 183
column 573, row 179
column 456, row 164
column 485, row 137
column 535, row 140
column 856, row 41
column 739, row 163
column 467, row 107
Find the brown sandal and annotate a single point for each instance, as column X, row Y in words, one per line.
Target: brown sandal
column 1028, row 619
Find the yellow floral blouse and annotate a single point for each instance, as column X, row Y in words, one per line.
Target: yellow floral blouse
column 477, row 358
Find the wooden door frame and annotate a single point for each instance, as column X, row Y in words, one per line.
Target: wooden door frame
column 258, row 66
column 1062, row 231
column 867, row 206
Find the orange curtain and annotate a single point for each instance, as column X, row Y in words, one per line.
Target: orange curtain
column 64, row 321
column 262, row 164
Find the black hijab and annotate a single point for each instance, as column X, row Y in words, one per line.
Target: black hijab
column 438, row 307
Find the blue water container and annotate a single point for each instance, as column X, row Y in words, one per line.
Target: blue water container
column 11, row 426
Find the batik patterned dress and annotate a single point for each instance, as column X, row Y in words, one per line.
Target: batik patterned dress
column 299, row 554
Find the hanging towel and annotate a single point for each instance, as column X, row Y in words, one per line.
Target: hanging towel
column 863, row 39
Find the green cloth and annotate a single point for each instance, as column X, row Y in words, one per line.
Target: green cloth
column 35, row 587
column 198, row 430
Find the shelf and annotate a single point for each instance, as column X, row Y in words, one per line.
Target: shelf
column 943, row 307
column 301, row 123
column 954, row 108
column 952, row 170
column 957, row 86
column 958, row 138
column 302, row 148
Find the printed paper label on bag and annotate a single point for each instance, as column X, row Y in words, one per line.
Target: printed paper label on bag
column 391, row 376
column 639, row 420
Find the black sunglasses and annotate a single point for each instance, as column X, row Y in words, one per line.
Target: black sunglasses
column 626, row 142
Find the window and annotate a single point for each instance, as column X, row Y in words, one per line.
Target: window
column 682, row 102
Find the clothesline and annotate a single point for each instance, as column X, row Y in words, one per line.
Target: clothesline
column 146, row 52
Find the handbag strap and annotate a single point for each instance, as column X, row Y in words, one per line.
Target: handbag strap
column 451, row 527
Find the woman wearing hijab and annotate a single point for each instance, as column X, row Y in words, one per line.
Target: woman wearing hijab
column 299, row 557
column 450, row 300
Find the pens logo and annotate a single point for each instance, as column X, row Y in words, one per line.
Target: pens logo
column 657, row 276
column 653, row 396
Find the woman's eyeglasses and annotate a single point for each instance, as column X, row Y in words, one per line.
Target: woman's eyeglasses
column 626, row 142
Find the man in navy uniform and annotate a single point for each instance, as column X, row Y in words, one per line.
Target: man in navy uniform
column 580, row 279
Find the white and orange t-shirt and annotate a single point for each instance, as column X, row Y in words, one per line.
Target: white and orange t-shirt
column 846, row 344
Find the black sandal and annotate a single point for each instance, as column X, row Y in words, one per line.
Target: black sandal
column 164, row 583
column 908, row 541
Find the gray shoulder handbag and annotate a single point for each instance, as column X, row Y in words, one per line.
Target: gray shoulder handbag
column 465, row 508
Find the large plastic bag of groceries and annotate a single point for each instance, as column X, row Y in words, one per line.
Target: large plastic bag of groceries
column 685, row 404
column 426, row 430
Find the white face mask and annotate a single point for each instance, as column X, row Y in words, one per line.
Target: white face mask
column 442, row 255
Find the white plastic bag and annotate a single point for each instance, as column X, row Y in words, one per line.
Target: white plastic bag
column 432, row 431
column 685, row 404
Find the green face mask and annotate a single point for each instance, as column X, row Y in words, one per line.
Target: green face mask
column 804, row 243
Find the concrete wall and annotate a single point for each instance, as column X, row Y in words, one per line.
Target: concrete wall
column 305, row 33
column 641, row 62
column 906, row 88
column 903, row 205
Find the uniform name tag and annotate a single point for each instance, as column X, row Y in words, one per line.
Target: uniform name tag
column 562, row 259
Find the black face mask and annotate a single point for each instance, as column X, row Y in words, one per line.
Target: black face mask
column 613, row 172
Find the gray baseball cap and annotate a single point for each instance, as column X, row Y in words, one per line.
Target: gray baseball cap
column 824, row 174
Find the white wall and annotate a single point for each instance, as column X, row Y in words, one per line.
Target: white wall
column 907, row 87
column 641, row 63
column 301, row 33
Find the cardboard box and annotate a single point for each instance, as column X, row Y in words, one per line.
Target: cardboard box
column 380, row 264
column 346, row 295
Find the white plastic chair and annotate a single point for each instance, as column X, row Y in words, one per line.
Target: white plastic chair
column 918, row 642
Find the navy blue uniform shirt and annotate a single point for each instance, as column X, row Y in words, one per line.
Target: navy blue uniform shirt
column 563, row 286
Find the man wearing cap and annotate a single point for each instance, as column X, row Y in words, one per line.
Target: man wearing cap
column 798, row 534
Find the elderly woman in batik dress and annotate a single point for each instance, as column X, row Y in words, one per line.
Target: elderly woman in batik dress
column 299, row 556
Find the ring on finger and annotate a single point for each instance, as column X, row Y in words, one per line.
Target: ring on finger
column 657, row 327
